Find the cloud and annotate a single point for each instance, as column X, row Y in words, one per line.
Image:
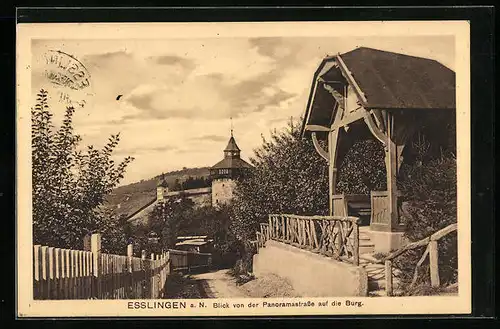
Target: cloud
column 271, row 47
column 186, row 63
column 131, row 151
column 101, row 59
column 210, row 138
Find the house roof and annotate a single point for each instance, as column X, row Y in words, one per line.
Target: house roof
column 385, row 80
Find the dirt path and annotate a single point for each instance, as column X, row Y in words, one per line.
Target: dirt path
column 219, row 284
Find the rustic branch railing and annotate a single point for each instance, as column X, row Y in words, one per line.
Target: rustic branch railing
column 332, row 236
column 431, row 251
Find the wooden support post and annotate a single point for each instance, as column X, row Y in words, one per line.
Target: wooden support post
column 388, row 277
column 95, row 248
column 355, row 237
column 391, row 164
column 433, row 263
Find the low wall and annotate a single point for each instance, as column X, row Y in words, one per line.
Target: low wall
column 310, row 274
column 386, row 242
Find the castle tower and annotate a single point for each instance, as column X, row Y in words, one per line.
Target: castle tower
column 226, row 172
column 161, row 189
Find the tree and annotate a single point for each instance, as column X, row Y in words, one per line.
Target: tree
column 288, row 177
column 70, row 185
column 166, row 219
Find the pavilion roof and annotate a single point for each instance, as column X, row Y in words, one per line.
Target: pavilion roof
column 385, row 80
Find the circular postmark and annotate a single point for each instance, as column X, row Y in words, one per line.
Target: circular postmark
column 65, row 70
column 69, row 76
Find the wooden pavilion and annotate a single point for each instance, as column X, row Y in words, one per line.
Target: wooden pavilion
column 389, row 96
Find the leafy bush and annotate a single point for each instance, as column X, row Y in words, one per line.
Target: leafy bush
column 363, row 168
column 430, row 188
column 177, row 217
column 70, row 185
column 288, row 177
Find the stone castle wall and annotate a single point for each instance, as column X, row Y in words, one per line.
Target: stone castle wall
column 222, row 190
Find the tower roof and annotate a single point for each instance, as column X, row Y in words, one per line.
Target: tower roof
column 229, row 163
column 231, row 145
column 232, row 157
column 162, row 181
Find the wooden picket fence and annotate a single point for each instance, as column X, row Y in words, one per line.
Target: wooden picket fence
column 77, row 274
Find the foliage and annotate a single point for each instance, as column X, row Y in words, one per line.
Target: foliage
column 363, row 168
column 133, row 196
column 288, row 177
column 70, row 185
column 430, row 186
column 178, row 217
column 190, row 183
column 166, row 219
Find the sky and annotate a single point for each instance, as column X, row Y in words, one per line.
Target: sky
column 179, row 94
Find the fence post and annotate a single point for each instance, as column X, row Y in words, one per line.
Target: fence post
column 87, row 243
column 95, row 248
column 433, row 263
column 388, row 277
column 157, row 276
column 355, row 237
column 143, row 274
column 152, row 276
column 130, row 280
column 270, row 227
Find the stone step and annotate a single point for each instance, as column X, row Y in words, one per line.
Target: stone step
column 377, row 293
column 366, row 249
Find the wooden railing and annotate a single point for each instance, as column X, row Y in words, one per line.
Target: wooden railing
column 262, row 235
column 77, row 274
column 431, row 251
column 187, row 260
column 332, row 236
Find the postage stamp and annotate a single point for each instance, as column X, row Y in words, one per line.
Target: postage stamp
column 303, row 168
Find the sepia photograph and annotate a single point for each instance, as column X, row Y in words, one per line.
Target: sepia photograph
column 243, row 168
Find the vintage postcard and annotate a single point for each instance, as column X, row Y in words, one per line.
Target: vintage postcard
column 243, row 169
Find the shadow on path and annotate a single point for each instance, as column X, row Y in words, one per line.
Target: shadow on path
column 185, row 286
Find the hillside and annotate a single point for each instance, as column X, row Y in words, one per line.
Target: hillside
column 133, row 196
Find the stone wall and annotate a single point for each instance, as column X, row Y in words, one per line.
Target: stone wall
column 222, row 190
column 310, row 274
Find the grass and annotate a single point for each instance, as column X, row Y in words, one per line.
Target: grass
column 379, row 255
